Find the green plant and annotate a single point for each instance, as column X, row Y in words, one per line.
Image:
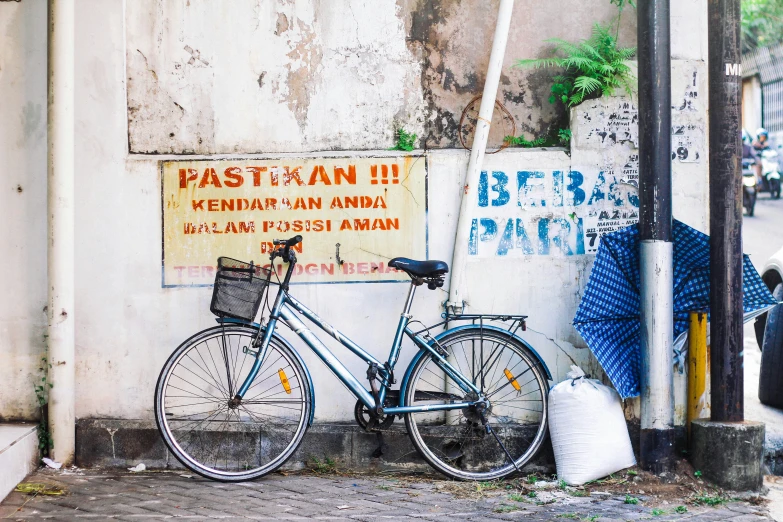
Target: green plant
column 591, row 68
column 322, row 466
column 705, row 499
column 680, row 510
column 505, row 508
column 592, row 518
column 404, row 140
column 45, row 442
column 516, row 497
column 562, row 484
column 762, row 23
column 564, row 135
column 631, row 500
column 532, row 494
column 531, row 479
column 560, row 137
column 632, row 472
column 573, row 516
column 621, row 4
column 657, row 512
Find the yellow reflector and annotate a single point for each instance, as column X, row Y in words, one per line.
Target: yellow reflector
column 511, row 379
column 284, row 381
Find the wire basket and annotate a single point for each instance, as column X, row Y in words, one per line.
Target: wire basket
column 239, row 289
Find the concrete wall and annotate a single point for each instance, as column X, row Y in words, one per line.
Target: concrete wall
column 133, row 72
column 279, row 76
column 22, row 203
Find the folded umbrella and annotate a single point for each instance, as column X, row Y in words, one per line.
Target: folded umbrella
column 608, row 314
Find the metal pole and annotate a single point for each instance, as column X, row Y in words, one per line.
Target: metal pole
column 457, row 281
column 697, row 367
column 61, row 229
column 655, row 228
column 725, row 95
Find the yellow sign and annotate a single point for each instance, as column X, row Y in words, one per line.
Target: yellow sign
column 353, row 213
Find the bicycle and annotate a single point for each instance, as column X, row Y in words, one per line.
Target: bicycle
column 233, row 402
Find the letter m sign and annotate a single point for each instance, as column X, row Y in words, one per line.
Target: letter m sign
column 733, row 69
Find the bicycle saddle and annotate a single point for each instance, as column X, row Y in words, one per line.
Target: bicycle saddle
column 431, row 268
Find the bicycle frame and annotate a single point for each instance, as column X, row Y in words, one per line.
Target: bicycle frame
column 284, row 309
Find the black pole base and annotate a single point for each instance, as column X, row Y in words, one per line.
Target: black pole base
column 656, row 450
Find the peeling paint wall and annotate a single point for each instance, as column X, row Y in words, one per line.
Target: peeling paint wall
column 282, row 76
column 311, row 78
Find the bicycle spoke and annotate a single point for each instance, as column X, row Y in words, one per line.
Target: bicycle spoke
column 219, row 438
column 483, row 441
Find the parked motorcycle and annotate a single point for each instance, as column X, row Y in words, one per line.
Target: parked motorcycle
column 749, row 185
column 770, row 172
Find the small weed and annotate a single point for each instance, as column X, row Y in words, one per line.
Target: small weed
column 45, row 441
column 697, row 473
column 562, row 484
column 505, row 508
column 632, row 472
column 577, row 493
column 487, row 486
column 532, row 494
column 631, row 500
column 705, row 499
column 384, row 487
column 680, row 510
column 657, row 512
column 405, row 140
column 322, row 466
column 572, row 516
column 592, row 518
column 531, row 479
column 516, row 497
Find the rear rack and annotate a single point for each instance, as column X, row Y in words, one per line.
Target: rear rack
column 515, row 322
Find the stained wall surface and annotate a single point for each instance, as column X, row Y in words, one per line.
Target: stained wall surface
column 187, row 80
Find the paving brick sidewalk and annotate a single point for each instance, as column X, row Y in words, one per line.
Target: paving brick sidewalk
column 96, row 495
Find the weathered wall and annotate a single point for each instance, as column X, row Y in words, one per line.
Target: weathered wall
column 280, row 76
column 127, row 323
column 22, row 200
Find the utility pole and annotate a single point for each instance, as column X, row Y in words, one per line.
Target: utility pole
column 727, row 450
column 725, row 84
column 655, row 231
column 61, row 230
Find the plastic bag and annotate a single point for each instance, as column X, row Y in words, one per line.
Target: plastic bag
column 587, row 426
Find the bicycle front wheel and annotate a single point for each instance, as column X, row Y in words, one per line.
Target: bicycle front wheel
column 211, row 434
column 457, row 443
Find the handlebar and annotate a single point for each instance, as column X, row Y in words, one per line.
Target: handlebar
column 287, row 242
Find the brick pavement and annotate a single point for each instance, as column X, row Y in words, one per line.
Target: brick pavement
column 97, row 495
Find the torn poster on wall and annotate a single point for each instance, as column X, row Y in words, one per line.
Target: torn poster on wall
column 549, row 213
column 353, row 213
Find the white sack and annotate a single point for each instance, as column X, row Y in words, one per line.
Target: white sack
column 587, row 426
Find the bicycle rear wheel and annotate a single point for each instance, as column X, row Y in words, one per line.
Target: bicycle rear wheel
column 457, row 443
column 216, row 438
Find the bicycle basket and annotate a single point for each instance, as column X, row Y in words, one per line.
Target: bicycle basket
column 239, row 289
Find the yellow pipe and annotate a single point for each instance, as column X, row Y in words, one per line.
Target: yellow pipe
column 697, row 366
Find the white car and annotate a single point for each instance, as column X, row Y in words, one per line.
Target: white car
column 769, row 335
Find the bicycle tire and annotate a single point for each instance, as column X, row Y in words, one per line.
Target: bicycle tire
column 214, row 439
column 458, row 445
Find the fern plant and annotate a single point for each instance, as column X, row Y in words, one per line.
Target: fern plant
column 591, row 68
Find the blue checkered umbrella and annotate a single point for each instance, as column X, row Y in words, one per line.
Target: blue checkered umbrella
column 608, row 315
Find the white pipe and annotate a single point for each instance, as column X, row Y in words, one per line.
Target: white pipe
column 655, row 263
column 457, row 285
column 61, row 229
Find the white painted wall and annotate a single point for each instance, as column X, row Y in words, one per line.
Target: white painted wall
column 128, row 324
